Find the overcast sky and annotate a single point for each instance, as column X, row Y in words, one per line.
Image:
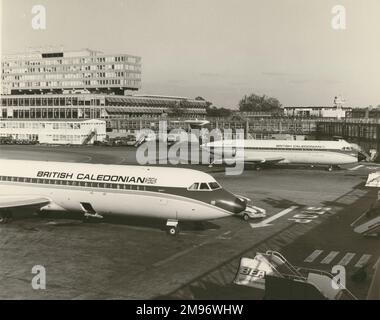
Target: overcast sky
column 220, row 49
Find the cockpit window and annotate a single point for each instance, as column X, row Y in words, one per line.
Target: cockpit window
column 194, row 186
column 204, row 186
column 214, row 185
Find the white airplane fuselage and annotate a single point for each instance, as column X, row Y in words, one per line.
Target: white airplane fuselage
column 286, row 151
column 121, row 190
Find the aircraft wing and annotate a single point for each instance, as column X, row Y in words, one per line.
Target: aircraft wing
column 9, row 202
column 249, row 160
column 264, row 160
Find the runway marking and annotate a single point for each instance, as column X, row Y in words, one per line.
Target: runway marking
column 313, row 256
column 307, row 215
column 266, row 222
column 223, row 236
column 330, row 257
column 363, row 260
column 355, row 168
column 346, row 259
column 179, row 254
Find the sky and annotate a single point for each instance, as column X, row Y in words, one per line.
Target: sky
column 220, row 49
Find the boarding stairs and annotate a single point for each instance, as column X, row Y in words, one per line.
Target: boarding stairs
column 298, row 282
column 368, row 224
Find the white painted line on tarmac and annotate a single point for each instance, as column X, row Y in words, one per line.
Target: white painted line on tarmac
column 363, row 260
column 224, row 236
column 346, row 259
column 178, row 254
column 356, row 168
column 313, row 256
column 266, row 222
column 330, row 257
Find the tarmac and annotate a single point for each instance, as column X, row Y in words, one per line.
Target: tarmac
column 131, row 258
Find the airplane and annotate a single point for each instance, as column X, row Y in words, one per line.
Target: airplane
column 97, row 190
column 264, row 152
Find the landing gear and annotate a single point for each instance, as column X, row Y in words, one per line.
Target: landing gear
column 5, row 217
column 333, row 167
column 246, row 217
column 89, row 212
column 172, row 227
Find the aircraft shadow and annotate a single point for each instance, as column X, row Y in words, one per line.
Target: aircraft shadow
column 61, row 220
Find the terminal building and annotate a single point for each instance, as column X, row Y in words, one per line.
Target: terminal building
column 337, row 110
column 99, row 106
column 59, row 85
column 54, row 132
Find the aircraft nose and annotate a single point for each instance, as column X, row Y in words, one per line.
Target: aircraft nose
column 231, row 204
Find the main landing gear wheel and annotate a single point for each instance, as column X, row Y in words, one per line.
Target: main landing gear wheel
column 172, row 227
column 245, row 217
column 5, row 217
column 173, row 231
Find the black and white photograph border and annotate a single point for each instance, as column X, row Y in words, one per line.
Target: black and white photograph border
column 189, row 150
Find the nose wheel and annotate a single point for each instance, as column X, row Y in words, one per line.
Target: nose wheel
column 172, row 227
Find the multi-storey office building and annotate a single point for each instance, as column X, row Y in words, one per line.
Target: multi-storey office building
column 57, row 72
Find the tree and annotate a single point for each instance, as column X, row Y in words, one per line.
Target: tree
column 199, row 98
column 218, row 112
column 255, row 102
